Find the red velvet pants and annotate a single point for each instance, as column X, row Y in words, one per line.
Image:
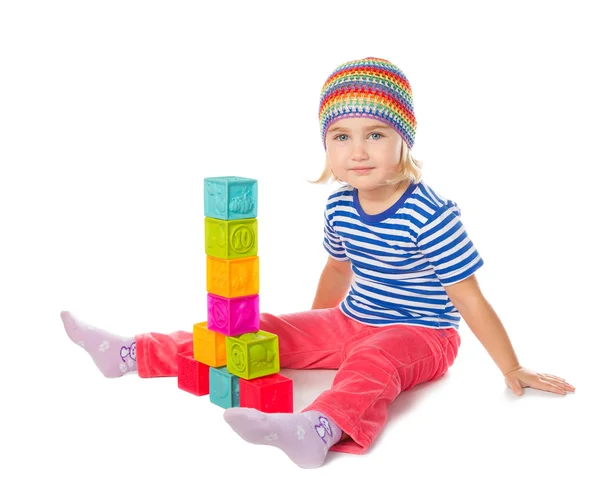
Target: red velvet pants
column 374, row 363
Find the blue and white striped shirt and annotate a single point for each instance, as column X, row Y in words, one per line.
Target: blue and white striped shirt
column 401, row 258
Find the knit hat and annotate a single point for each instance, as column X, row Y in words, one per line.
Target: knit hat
column 370, row 87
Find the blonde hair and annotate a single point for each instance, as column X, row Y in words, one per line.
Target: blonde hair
column 408, row 168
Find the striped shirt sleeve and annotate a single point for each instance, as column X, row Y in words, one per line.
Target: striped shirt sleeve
column 444, row 242
column 332, row 242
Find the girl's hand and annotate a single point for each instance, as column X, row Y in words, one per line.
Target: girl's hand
column 520, row 377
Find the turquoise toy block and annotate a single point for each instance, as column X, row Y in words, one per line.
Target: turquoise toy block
column 224, row 388
column 230, row 197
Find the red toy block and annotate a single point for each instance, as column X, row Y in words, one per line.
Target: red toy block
column 192, row 376
column 270, row 394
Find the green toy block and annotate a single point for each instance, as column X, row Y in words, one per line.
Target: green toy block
column 252, row 355
column 237, row 238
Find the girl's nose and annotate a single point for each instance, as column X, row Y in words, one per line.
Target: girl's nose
column 358, row 151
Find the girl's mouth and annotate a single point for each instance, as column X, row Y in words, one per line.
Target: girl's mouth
column 364, row 170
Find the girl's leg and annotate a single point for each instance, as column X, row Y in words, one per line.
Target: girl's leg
column 157, row 352
column 310, row 339
column 384, row 362
column 150, row 354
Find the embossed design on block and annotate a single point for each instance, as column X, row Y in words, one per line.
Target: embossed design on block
column 252, row 355
column 230, row 197
column 218, row 315
column 224, row 388
column 260, row 357
column 230, row 239
column 233, row 316
column 243, row 239
column 215, row 236
column 209, row 346
column 215, row 193
column 238, row 357
column 242, row 204
column 232, row 278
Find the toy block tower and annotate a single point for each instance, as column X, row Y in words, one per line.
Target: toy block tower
column 238, row 361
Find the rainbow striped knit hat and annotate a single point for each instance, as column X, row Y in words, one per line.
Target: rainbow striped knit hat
column 370, row 87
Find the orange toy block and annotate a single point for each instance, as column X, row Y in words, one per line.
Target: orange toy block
column 209, row 346
column 231, row 278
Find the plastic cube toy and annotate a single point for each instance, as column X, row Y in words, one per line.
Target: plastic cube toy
column 230, row 197
column 192, row 376
column 231, row 239
column 252, row 355
column 232, row 278
column 209, row 346
column 271, row 394
column 233, row 316
column 224, row 388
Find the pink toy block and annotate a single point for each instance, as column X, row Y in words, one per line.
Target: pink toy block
column 233, row 316
column 192, row 376
column 270, row 394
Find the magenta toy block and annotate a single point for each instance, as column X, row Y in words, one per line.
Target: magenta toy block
column 192, row 376
column 270, row 394
column 233, row 316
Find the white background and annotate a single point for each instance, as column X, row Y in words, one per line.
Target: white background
column 113, row 112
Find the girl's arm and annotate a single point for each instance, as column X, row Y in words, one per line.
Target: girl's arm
column 333, row 285
column 483, row 322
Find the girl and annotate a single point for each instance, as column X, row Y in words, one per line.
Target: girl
column 400, row 274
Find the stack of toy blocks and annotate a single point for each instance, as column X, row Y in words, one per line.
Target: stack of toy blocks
column 233, row 361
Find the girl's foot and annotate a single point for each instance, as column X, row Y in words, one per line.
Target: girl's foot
column 305, row 437
column 113, row 355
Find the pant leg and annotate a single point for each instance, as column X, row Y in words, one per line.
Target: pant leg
column 156, row 353
column 308, row 339
column 311, row 339
column 378, row 366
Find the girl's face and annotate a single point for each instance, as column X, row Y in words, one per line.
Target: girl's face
column 363, row 151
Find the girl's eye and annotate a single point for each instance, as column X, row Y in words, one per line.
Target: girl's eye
column 340, row 135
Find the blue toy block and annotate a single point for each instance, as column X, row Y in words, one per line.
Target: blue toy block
column 230, row 197
column 224, row 388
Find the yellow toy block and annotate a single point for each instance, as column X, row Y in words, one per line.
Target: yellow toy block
column 209, row 346
column 252, row 355
column 231, row 278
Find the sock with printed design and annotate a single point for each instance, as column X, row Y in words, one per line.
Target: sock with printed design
column 113, row 355
column 305, row 437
